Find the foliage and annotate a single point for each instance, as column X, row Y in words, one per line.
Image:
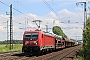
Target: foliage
column 14, row 42
column 79, row 58
column 57, row 30
column 80, row 55
column 86, row 40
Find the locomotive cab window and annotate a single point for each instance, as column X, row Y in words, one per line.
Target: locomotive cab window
column 27, row 36
column 34, row 36
column 31, row 36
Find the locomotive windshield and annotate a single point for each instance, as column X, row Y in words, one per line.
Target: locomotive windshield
column 31, row 36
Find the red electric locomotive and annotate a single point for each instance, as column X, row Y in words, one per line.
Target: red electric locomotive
column 36, row 40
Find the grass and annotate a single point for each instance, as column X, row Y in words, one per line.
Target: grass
column 80, row 55
column 79, row 58
column 6, row 48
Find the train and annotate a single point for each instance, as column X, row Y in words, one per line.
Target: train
column 39, row 41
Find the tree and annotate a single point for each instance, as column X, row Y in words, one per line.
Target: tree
column 86, row 40
column 57, row 30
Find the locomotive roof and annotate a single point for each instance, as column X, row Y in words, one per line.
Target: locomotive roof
column 49, row 34
column 32, row 30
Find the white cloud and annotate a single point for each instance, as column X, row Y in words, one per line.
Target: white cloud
column 47, row 20
column 65, row 13
column 51, row 15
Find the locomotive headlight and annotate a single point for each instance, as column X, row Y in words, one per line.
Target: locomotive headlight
column 35, row 42
column 26, row 42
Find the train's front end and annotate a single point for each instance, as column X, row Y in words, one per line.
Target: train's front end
column 30, row 41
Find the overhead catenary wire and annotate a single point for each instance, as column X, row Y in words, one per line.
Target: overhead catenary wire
column 13, row 20
column 22, row 5
column 28, row 15
column 16, row 10
column 58, row 8
column 48, row 5
column 68, row 17
column 45, row 3
column 4, row 3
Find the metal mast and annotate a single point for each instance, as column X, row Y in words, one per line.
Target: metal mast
column 11, row 28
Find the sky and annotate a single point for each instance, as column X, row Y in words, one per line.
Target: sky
column 63, row 13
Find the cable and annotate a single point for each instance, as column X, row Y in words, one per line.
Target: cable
column 22, row 5
column 53, row 3
column 49, row 6
column 54, row 11
column 4, row 3
column 13, row 20
column 15, row 9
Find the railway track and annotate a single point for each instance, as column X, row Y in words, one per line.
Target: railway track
column 64, row 54
column 4, row 54
column 67, row 53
